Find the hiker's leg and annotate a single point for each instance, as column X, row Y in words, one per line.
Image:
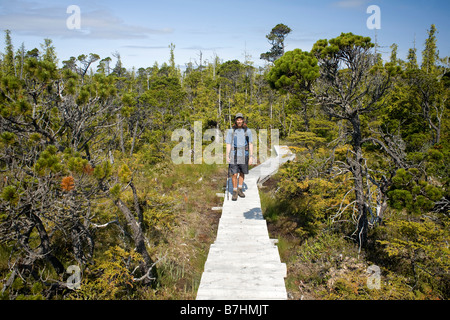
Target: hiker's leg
column 241, row 180
column 234, row 179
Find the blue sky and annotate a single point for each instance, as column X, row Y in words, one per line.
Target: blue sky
column 141, row 31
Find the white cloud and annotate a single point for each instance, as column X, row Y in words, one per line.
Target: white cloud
column 38, row 19
column 144, row 47
column 198, row 47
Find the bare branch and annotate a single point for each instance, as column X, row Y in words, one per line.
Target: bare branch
column 147, row 274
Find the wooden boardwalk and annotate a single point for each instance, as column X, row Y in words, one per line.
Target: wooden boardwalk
column 243, row 263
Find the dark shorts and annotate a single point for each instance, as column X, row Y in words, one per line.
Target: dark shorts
column 236, row 168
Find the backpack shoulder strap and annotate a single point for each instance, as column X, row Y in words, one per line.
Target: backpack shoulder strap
column 247, row 139
column 233, row 134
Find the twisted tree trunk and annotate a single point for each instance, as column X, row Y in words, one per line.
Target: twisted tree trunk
column 138, row 238
column 356, row 166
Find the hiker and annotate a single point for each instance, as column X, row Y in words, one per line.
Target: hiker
column 239, row 153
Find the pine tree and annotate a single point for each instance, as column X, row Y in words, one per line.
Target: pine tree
column 49, row 51
column 412, row 59
column 348, row 67
column 276, row 38
column 295, row 73
column 430, row 54
column 394, row 58
column 8, row 61
column 172, row 59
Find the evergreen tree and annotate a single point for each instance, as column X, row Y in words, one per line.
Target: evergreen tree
column 49, row 53
column 352, row 84
column 412, row 59
column 8, row 60
column 295, row 73
column 276, row 38
column 430, row 54
column 394, row 59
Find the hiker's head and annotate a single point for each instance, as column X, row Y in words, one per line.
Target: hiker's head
column 239, row 120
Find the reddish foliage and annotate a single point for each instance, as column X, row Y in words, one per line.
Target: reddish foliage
column 68, row 183
column 88, row 169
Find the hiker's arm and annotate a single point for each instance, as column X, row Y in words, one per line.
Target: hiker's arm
column 250, row 148
column 228, row 142
column 228, row 152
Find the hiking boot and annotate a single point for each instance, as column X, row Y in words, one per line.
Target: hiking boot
column 240, row 193
column 235, row 196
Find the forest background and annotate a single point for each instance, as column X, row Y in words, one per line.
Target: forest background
column 87, row 183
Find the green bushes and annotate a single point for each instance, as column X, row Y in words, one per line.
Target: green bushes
column 410, row 193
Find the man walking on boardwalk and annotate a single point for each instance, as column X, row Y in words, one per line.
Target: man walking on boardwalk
column 239, row 154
